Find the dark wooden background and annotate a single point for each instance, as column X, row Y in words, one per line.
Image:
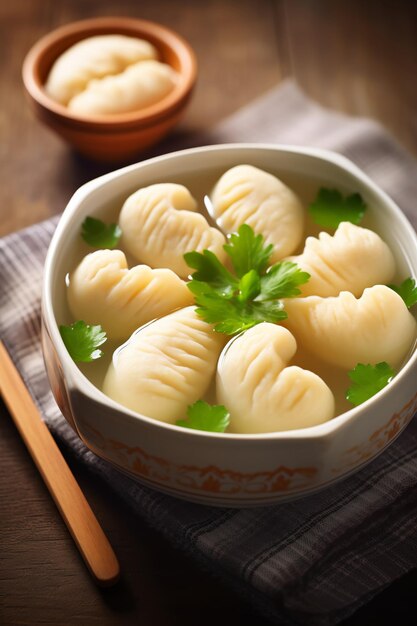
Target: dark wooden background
column 357, row 56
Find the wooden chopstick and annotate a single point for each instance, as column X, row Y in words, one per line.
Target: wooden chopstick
column 74, row 508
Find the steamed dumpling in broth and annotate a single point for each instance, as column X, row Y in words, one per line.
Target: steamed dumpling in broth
column 139, row 86
column 263, row 393
column 165, row 366
column 94, row 58
column 350, row 260
column 160, row 223
column 248, row 195
column 102, row 290
column 346, row 331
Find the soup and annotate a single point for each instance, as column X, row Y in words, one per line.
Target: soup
column 335, row 377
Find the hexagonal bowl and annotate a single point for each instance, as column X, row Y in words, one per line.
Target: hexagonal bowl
column 212, row 468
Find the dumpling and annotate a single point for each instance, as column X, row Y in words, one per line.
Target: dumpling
column 102, row 290
column 350, row 260
column 92, row 58
column 165, row 366
column 161, row 222
column 248, row 195
column 261, row 392
column 345, row 331
column 139, row 86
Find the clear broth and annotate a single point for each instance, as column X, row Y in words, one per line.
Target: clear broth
column 199, row 186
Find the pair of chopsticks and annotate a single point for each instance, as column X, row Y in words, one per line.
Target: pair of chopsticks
column 74, row 508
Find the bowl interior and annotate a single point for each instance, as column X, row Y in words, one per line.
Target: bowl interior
column 198, row 169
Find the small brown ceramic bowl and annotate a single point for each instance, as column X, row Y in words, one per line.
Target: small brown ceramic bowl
column 115, row 137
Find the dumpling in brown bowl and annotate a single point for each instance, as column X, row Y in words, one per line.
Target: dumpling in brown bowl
column 92, row 59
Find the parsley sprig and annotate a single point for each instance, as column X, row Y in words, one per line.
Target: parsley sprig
column 83, row 340
column 203, row 416
column 407, row 290
column 100, row 235
column 234, row 302
column 330, row 208
column 367, row 380
column 247, row 251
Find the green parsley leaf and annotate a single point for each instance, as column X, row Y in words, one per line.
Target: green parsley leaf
column 100, row 235
column 407, row 290
column 249, row 315
column 210, row 270
column 232, row 315
column 247, row 251
column 367, row 381
column 281, row 281
column 203, row 416
column 249, row 286
column 82, row 341
column 234, row 303
column 330, row 208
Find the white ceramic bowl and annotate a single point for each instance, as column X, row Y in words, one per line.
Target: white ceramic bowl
column 211, row 468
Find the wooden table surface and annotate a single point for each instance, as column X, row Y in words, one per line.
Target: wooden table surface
column 357, row 57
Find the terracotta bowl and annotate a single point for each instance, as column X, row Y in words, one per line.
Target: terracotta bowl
column 115, row 137
column 212, row 468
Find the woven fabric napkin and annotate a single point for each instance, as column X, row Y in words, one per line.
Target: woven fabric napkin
column 313, row 561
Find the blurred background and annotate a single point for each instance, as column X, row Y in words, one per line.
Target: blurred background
column 356, row 57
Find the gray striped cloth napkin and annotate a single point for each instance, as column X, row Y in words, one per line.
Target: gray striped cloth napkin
column 313, row 561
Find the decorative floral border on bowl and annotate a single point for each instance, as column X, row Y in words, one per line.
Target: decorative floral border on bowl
column 379, row 439
column 209, row 479
column 212, row 479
